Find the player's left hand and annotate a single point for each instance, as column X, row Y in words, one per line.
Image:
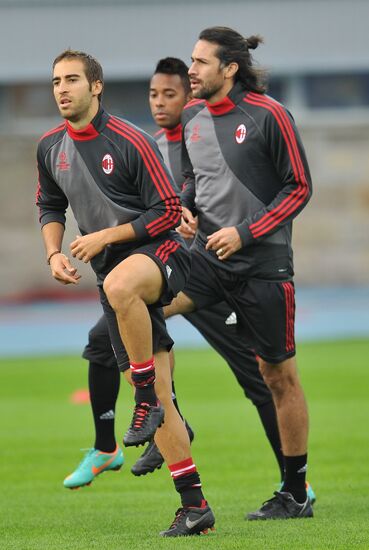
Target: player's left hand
column 86, row 247
column 225, row 242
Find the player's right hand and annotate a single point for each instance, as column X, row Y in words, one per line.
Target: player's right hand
column 63, row 271
column 188, row 225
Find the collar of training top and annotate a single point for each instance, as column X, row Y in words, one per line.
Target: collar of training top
column 174, row 134
column 92, row 130
column 229, row 102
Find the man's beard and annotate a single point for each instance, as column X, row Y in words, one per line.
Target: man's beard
column 71, row 116
column 79, row 111
column 206, row 92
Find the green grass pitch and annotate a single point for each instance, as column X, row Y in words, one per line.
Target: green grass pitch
column 42, row 432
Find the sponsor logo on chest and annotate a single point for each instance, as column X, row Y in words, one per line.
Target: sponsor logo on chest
column 107, row 164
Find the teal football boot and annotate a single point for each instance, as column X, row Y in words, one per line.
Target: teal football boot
column 95, row 462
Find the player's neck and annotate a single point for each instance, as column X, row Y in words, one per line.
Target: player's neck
column 222, row 93
column 86, row 118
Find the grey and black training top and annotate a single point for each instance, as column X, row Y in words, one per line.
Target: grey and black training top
column 110, row 173
column 170, row 145
column 245, row 166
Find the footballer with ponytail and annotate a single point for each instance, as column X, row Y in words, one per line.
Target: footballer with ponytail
column 247, row 178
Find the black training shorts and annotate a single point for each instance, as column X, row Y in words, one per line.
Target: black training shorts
column 265, row 309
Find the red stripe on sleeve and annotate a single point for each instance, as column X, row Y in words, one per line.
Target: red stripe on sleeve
column 296, row 198
column 171, row 216
column 158, row 177
column 161, row 178
column 284, row 121
column 166, row 221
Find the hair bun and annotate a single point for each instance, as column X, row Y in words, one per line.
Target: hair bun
column 253, row 41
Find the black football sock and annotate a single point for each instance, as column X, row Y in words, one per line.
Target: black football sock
column 104, row 385
column 268, row 418
column 143, row 378
column 187, row 483
column 295, row 477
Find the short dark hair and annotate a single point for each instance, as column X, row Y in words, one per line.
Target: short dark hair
column 233, row 47
column 173, row 65
column 93, row 69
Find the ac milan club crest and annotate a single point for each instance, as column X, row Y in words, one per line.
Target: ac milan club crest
column 240, row 133
column 107, row 164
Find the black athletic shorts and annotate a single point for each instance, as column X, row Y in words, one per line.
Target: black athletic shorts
column 265, row 309
column 174, row 261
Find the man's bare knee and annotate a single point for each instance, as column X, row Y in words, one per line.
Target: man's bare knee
column 135, row 278
column 118, row 291
column 280, row 377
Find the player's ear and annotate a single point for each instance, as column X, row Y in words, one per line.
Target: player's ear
column 97, row 87
column 231, row 69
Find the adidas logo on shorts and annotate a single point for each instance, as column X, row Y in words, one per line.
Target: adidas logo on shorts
column 232, row 319
column 169, row 270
